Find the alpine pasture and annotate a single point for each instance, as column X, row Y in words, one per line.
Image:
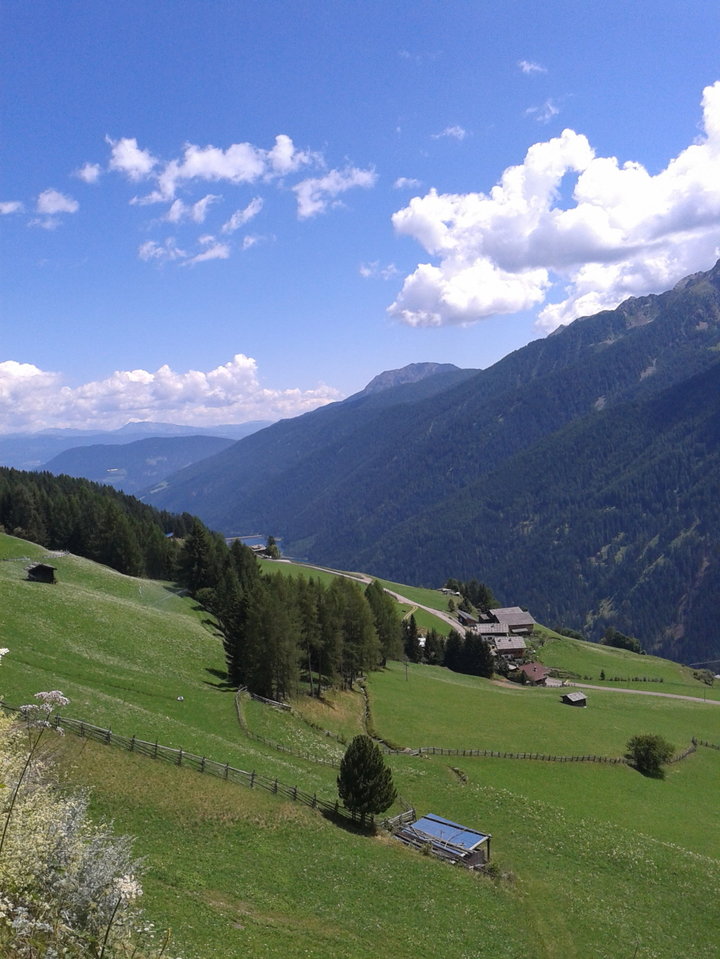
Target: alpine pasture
column 591, row 859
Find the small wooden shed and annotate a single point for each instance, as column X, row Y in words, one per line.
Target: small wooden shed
column 575, row 699
column 41, row 573
column 448, row 841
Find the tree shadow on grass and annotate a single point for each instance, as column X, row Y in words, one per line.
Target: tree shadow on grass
column 354, row 826
column 224, row 680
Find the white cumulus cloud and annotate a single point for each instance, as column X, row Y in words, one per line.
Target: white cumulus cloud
column 31, row 398
column 126, row 157
column 565, row 230
column 89, row 172
column 11, row 206
column 314, row 195
column 50, row 202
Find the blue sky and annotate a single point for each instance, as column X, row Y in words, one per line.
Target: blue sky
column 219, row 211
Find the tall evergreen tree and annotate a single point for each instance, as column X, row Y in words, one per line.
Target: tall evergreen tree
column 387, row 621
column 411, row 639
column 365, row 783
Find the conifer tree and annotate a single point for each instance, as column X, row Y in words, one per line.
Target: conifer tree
column 365, row 783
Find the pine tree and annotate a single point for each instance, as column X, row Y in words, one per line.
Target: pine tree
column 365, row 783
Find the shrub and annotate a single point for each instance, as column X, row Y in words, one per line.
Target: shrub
column 648, row 753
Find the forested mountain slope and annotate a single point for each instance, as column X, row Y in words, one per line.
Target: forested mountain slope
column 137, row 465
column 348, row 485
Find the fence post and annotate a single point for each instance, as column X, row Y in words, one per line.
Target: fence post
column 295, row 793
column 132, row 744
column 180, row 752
column 252, row 779
column 108, row 734
column 82, row 729
column 202, row 765
column 155, row 753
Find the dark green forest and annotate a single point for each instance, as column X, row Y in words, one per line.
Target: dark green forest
column 277, row 631
column 91, row 520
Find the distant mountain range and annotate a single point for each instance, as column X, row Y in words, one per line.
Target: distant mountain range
column 27, row 451
column 132, row 467
column 578, row 476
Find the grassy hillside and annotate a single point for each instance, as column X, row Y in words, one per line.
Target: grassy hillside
column 599, row 861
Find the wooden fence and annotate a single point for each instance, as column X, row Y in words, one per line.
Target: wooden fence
column 201, row 764
column 499, row 754
column 280, row 747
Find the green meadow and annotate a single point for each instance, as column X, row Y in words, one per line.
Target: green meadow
column 593, row 860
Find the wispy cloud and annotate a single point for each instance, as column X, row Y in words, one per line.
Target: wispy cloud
column 241, row 217
column 406, row 183
column 545, row 112
column 529, row 67
column 214, row 250
column 314, row 195
column 454, row 132
column 373, row 269
column 11, row 206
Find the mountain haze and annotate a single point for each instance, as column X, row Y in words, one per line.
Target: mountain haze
column 575, row 475
column 134, row 466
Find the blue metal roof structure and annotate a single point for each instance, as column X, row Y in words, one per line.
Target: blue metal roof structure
column 445, row 831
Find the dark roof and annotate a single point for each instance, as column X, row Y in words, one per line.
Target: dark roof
column 574, row 698
column 535, row 671
column 513, row 616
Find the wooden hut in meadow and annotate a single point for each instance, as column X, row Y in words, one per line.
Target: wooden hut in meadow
column 448, row 841
column 41, row 573
column 575, row 699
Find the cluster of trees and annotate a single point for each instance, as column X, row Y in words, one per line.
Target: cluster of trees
column 91, row 520
column 475, row 595
column 613, row 637
column 275, row 628
column 469, row 654
column 278, row 629
column 432, row 651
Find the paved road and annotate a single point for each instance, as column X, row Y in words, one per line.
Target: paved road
column 648, row 692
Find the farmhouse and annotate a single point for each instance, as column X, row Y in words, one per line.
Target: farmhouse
column 513, row 647
column 535, row 673
column 515, row 619
column 575, row 699
column 41, row 573
column 448, row 841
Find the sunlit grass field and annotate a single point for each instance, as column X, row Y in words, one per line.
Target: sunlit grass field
column 599, row 861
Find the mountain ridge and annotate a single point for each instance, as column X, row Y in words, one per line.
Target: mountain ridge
column 338, row 483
